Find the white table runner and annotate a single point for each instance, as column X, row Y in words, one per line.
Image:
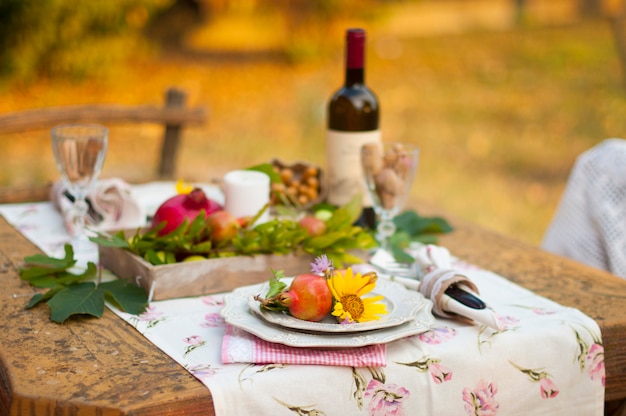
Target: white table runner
column 549, row 360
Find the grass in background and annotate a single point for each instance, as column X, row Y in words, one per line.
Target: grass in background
column 499, row 116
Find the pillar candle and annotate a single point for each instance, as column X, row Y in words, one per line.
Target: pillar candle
column 246, row 192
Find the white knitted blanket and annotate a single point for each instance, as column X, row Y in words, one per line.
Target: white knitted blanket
column 590, row 222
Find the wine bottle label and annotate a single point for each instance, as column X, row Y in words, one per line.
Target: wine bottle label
column 344, row 175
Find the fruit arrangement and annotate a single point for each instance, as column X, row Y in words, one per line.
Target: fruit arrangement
column 299, row 184
column 192, row 227
column 325, row 292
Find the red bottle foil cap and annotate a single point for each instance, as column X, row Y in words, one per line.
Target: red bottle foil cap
column 355, row 48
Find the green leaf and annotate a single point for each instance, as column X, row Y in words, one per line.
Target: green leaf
column 51, row 262
column 415, row 225
column 42, row 297
column 197, row 225
column 118, row 240
column 71, row 294
column 325, row 241
column 128, row 297
column 40, row 265
column 83, row 299
column 276, row 285
column 268, row 169
column 345, row 215
column 400, row 255
column 155, row 258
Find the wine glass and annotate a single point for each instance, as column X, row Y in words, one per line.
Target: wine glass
column 389, row 170
column 79, row 152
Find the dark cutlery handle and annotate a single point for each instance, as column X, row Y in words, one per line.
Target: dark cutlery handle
column 96, row 216
column 466, row 298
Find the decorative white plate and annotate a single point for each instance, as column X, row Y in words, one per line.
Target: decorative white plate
column 402, row 306
column 236, row 312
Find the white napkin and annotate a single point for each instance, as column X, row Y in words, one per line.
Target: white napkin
column 113, row 206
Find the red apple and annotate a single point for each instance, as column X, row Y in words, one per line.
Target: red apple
column 313, row 226
column 223, row 227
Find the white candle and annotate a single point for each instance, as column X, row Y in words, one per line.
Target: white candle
column 246, row 192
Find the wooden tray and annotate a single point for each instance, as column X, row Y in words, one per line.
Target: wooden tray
column 199, row 277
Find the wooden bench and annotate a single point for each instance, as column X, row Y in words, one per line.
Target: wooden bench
column 173, row 115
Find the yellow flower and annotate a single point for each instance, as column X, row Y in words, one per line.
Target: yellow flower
column 348, row 290
column 183, row 187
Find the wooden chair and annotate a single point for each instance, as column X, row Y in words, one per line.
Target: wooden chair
column 173, row 115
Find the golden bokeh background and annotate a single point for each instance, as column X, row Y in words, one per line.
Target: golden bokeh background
column 500, row 103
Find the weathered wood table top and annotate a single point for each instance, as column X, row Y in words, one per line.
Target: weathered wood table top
column 106, row 367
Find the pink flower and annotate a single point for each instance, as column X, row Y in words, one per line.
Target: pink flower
column 385, row 399
column 481, row 401
column 507, row 321
column 193, row 340
column 213, row 301
column 439, row 373
column 543, row 311
column 595, row 362
column 548, row 388
column 212, row 320
column 437, row 335
column 151, row 313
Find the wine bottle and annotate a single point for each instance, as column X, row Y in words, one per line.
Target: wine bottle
column 353, row 118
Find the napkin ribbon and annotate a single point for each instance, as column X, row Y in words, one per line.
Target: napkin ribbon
column 438, row 275
column 434, row 285
column 239, row 346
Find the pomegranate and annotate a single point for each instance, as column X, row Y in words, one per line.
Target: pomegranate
column 313, row 225
column 183, row 207
column 308, row 298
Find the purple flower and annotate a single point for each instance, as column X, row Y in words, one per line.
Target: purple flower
column 481, row 401
column 439, row 373
column 437, row 335
column 202, row 371
column 212, row 320
column 595, row 361
column 385, row 399
column 322, row 265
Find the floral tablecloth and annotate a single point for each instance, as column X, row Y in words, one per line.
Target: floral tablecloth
column 548, row 360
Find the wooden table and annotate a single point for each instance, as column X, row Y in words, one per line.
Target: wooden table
column 105, row 367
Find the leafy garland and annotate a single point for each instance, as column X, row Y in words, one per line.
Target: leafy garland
column 70, row 293
column 278, row 236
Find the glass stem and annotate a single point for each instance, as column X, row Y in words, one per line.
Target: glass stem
column 386, row 228
column 80, row 211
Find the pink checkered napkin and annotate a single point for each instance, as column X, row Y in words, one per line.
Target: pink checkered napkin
column 240, row 346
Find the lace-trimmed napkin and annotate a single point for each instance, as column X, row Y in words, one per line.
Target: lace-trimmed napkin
column 113, row 206
column 240, row 346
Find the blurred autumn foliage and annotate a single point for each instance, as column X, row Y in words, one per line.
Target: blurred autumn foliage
column 500, row 99
column 68, row 38
column 64, row 38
